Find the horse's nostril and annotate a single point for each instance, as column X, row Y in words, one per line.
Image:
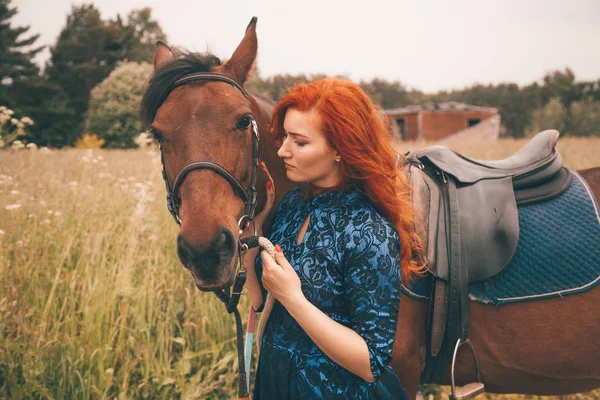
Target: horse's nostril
column 185, row 252
column 224, row 244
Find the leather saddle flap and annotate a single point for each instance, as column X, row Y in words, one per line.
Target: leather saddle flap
column 489, row 224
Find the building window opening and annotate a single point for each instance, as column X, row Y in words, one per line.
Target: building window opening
column 400, row 125
column 473, row 121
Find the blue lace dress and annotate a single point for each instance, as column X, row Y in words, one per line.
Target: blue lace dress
column 349, row 267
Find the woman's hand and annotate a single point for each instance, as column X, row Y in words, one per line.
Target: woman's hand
column 260, row 219
column 280, row 279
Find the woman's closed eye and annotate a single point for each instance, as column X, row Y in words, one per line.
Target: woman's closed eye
column 296, row 142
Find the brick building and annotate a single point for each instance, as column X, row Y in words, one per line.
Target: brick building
column 433, row 122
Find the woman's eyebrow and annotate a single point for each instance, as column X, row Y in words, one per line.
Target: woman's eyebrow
column 296, row 134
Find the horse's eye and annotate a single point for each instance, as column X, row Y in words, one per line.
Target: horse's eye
column 157, row 135
column 244, row 122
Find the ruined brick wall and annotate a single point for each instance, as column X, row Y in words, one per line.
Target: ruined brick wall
column 436, row 125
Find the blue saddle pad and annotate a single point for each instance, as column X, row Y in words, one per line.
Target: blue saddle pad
column 558, row 252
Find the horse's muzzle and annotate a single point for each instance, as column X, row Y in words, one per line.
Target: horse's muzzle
column 211, row 268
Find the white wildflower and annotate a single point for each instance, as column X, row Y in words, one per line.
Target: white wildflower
column 12, row 207
column 31, row 216
column 9, row 111
column 31, row 146
column 14, row 192
column 57, row 213
column 2, row 232
column 43, row 203
column 85, row 159
column 45, row 149
column 50, row 212
column 46, row 222
column 14, row 121
column 17, row 144
column 19, row 243
column 27, row 120
column 100, row 158
column 73, row 183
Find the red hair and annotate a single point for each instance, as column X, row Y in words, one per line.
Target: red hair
column 353, row 126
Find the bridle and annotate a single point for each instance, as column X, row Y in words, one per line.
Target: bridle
column 248, row 196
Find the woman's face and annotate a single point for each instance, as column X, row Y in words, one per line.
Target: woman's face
column 307, row 156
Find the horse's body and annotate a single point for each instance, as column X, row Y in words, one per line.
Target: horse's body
column 541, row 347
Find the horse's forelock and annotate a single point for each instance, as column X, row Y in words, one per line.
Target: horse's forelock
column 161, row 82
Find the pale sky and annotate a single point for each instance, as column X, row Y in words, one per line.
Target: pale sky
column 427, row 45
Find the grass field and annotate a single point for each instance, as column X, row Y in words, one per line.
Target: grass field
column 93, row 301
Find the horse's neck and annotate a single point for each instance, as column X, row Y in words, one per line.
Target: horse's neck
column 268, row 154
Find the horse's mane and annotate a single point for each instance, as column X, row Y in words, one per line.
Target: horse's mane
column 162, row 80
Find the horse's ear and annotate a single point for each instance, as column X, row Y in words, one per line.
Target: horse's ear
column 163, row 54
column 241, row 62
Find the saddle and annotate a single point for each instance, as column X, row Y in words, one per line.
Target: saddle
column 466, row 215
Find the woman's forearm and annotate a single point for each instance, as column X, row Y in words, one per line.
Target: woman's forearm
column 340, row 343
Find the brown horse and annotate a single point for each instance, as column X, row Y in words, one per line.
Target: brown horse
column 541, row 347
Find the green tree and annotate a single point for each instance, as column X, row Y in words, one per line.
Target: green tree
column 276, row 87
column 561, row 85
column 87, row 50
column 113, row 113
column 390, row 94
column 140, row 34
column 551, row 116
column 16, row 56
column 584, row 118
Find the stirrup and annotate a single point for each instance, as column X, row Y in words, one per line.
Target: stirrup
column 470, row 390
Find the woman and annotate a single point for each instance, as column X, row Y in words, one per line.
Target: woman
column 338, row 265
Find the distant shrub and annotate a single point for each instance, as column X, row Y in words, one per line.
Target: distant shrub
column 113, row 113
column 552, row 116
column 584, row 119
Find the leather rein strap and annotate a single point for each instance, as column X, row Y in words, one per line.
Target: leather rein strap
column 248, row 196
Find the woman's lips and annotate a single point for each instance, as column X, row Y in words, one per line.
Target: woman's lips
column 289, row 166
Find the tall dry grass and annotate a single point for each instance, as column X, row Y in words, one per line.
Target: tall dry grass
column 93, row 301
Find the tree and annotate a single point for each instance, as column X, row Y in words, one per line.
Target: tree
column 86, row 51
column 551, row 116
column 113, row 114
column 390, row 94
column 140, row 35
column 16, row 55
column 584, row 118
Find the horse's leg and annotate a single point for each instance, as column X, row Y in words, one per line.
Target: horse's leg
column 538, row 347
column 410, row 346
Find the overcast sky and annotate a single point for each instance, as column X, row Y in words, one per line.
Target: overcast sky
column 427, row 45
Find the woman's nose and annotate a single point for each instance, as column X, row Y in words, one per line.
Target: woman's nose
column 283, row 151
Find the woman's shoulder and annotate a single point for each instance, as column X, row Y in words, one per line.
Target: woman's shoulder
column 293, row 195
column 358, row 220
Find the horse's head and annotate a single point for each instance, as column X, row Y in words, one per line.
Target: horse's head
column 205, row 130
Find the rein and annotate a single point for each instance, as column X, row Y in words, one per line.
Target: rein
column 248, row 196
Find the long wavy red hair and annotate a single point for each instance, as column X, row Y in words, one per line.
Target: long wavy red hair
column 354, row 127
